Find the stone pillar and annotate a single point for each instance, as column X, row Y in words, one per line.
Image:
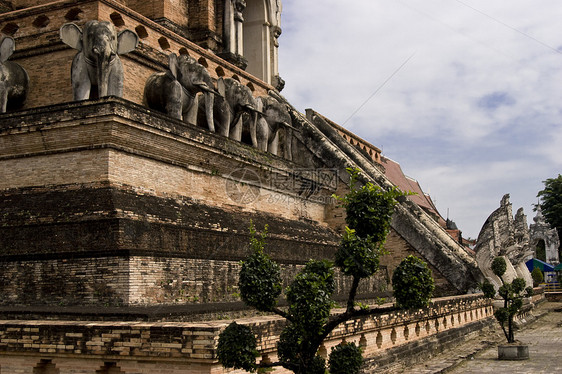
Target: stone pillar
column 233, row 33
column 262, row 28
column 276, row 8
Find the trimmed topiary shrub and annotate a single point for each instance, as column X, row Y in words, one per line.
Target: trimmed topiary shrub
column 345, row 359
column 357, row 256
column 413, row 284
column 237, row 348
column 260, row 277
column 369, row 208
column 537, row 276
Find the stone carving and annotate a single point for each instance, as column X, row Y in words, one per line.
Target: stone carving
column 14, row 81
column 97, row 62
column 541, row 230
column 275, row 26
column 175, row 91
column 234, row 103
column 275, row 118
column 278, row 83
column 504, row 235
column 276, row 9
column 233, row 32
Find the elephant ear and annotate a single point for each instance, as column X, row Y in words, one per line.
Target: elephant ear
column 127, row 41
column 173, row 64
column 221, row 87
column 71, row 35
column 6, row 48
column 260, row 104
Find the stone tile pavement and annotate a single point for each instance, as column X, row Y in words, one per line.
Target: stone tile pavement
column 479, row 354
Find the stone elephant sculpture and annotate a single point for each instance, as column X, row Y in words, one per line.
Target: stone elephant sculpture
column 175, row 91
column 234, row 101
column 14, row 81
column 97, row 63
column 275, row 117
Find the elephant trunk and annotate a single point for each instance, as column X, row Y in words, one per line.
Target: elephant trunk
column 3, row 96
column 262, row 133
column 209, row 103
column 288, row 150
column 3, row 87
column 104, row 57
column 253, row 128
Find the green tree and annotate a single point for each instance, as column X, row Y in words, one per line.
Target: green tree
column 369, row 210
column 551, row 204
column 512, row 295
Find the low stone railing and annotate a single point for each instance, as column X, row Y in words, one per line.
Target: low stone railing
column 191, row 347
column 380, row 332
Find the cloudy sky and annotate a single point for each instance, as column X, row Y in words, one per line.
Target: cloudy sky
column 465, row 94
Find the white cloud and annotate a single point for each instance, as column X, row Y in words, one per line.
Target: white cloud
column 550, row 148
column 431, row 116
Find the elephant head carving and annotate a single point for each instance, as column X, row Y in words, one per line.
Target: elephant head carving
column 275, row 117
column 97, row 63
column 175, row 91
column 235, row 103
column 14, row 81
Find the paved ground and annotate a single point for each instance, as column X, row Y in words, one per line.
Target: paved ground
column 479, row 354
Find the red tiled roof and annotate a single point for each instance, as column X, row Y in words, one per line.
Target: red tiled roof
column 394, row 173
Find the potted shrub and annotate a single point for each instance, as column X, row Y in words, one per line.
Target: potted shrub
column 512, row 295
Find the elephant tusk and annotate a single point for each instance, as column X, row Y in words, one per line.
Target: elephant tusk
column 205, row 88
column 290, row 126
column 254, row 110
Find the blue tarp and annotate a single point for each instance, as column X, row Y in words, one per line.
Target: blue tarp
column 536, row 263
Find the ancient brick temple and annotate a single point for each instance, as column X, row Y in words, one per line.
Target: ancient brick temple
column 112, row 209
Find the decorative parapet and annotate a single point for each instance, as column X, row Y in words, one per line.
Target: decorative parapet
column 371, row 151
column 194, row 344
column 392, row 328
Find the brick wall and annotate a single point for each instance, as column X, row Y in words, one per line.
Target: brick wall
column 135, row 281
column 103, row 281
column 176, row 11
column 128, row 145
column 110, row 178
column 152, row 9
column 204, row 16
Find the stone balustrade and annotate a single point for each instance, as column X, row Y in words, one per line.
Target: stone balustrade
column 149, row 347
